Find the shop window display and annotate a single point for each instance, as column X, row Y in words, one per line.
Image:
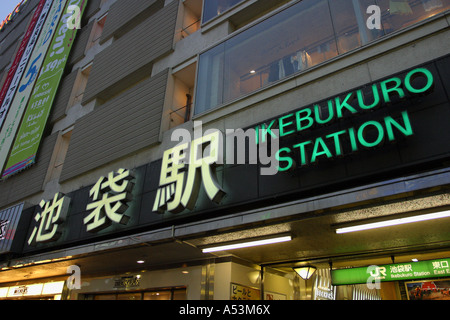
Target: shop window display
column 289, row 42
column 296, row 39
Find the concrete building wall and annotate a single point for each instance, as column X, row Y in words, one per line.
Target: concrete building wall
column 129, row 59
column 129, row 122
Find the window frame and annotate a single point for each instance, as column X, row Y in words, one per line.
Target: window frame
column 385, row 37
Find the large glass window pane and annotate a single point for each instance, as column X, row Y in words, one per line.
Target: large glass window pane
column 157, row 295
column 105, row 297
column 291, row 41
column 209, row 79
column 398, row 14
column 288, row 42
column 129, row 296
column 212, row 8
column 303, row 35
column 179, row 294
column 350, row 24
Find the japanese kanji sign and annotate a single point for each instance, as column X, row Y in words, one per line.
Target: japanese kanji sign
column 183, row 169
column 110, row 196
column 50, row 219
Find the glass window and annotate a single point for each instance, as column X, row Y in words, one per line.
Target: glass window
column 105, row 297
column 165, row 294
column 179, row 294
column 303, row 35
column 213, row 8
column 398, row 14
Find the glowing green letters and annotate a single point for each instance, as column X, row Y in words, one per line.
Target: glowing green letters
column 353, row 138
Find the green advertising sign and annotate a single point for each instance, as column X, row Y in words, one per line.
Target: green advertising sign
column 392, row 272
column 26, row 144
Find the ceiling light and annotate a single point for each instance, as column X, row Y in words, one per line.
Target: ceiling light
column 247, row 244
column 394, row 222
column 305, row 272
column 252, row 71
column 140, row 261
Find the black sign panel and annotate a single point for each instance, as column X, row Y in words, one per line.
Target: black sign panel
column 402, row 134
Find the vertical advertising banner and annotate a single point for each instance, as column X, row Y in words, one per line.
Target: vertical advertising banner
column 20, row 61
column 29, row 136
column 24, row 89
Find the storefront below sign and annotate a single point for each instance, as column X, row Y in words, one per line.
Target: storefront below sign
column 36, row 291
column 408, row 279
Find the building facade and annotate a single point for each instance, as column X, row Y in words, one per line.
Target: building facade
column 140, row 137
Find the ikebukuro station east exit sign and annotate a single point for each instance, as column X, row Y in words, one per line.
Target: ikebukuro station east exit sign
column 392, row 272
